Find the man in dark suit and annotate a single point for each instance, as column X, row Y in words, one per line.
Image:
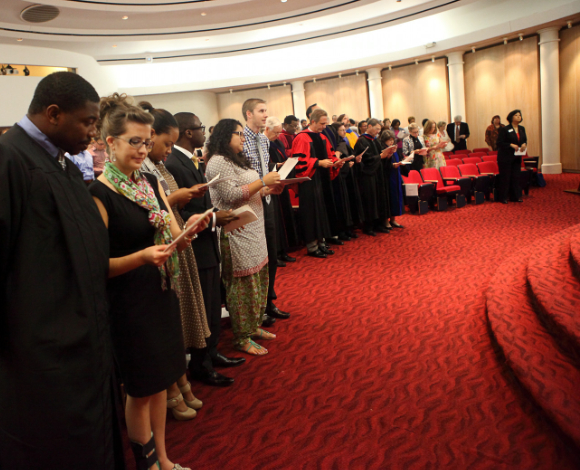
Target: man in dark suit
column 188, row 172
column 458, row 132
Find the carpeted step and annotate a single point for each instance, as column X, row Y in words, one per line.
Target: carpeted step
column 556, row 290
column 550, row 376
column 575, row 254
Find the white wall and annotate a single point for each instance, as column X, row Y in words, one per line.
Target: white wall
column 16, row 91
column 202, row 103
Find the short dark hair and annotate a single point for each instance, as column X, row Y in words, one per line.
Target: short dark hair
column 184, row 121
column 352, row 122
column 395, row 121
column 67, row 90
column 290, row 119
column 424, row 121
column 219, row 144
column 164, row 120
column 310, row 109
column 511, row 115
column 373, row 122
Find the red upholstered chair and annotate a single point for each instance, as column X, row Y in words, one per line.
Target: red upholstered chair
column 451, row 176
column 426, row 192
column 483, row 150
column 490, row 158
column 462, row 152
column 445, row 194
column 491, row 169
column 453, row 162
column 448, row 155
column 481, row 183
column 477, row 154
column 474, row 160
column 492, row 152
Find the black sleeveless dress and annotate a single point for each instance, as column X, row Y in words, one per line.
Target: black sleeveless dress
column 145, row 319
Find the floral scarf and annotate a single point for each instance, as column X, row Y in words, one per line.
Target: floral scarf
column 141, row 193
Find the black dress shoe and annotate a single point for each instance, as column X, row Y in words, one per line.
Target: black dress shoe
column 396, row 225
column 317, row 254
column 268, row 321
column 351, row 234
column 287, row 258
column 277, row 313
column 213, row 378
column 334, row 241
column 520, row 200
column 222, row 361
column 324, row 249
column 370, row 233
column 382, row 230
column 344, row 238
column 504, row 202
column 281, row 264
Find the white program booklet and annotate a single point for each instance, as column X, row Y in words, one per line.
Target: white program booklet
column 412, row 189
column 287, row 167
column 245, row 214
column 188, row 230
column 215, row 180
column 517, row 153
column 294, row 180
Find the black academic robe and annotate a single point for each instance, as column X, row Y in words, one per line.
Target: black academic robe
column 371, row 180
column 56, row 392
column 285, row 222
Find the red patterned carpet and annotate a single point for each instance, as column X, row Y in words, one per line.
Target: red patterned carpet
column 387, row 360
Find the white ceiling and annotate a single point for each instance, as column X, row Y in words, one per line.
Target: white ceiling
column 168, row 28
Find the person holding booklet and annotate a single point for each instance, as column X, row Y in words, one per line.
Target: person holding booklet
column 245, row 253
column 512, row 142
column 434, row 145
column 143, row 277
column 188, row 172
column 392, row 170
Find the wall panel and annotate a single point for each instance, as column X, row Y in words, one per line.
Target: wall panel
column 570, row 98
column 345, row 95
column 417, row 90
column 498, row 80
column 278, row 99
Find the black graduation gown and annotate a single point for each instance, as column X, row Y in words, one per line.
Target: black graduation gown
column 285, row 222
column 387, row 168
column 371, row 180
column 56, row 405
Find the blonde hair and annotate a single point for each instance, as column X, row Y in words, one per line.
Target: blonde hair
column 250, row 105
column 413, row 126
column 116, row 111
column 430, row 123
column 317, row 114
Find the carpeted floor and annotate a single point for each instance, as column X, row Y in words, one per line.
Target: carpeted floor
column 387, row 361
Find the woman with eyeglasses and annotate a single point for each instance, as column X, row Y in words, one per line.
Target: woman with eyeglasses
column 143, row 277
column 244, row 254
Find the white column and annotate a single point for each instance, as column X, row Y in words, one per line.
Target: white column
column 299, row 99
column 456, row 84
column 376, row 93
column 550, row 99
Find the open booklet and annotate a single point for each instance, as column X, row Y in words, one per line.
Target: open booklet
column 294, row 180
column 287, row 167
column 189, row 230
column 216, row 180
column 245, row 215
column 519, row 153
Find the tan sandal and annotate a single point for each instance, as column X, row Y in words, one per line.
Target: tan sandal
column 173, row 403
column 194, row 404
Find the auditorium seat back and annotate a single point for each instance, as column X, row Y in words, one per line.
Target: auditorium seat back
column 492, row 152
column 483, row 150
column 468, row 169
column 488, row 168
column 473, row 160
column 490, row 158
column 432, row 175
column 454, row 162
column 462, row 152
column 477, row 154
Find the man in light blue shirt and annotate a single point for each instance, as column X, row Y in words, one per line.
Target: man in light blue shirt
column 84, row 162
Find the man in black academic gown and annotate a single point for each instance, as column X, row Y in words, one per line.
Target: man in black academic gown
column 56, row 392
column 188, row 172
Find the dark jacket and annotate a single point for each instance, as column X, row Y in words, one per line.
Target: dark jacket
column 186, row 175
column 507, row 136
column 460, row 144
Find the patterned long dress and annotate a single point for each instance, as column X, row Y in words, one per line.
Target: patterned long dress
column 244, row 254
column 435, row 157
column 193, row 316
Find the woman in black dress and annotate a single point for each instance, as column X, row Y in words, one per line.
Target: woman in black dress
column 510, row 139
column 145, row 318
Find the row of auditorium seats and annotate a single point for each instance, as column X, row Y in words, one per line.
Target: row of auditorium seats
column 461, row 182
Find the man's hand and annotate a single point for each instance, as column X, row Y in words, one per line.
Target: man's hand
column 462, row 137
column 327, row 163
column 224, row 217
column 358, row 158
column 198, row 190
column 350, row 164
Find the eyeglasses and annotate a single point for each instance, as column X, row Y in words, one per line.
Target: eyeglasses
column 197, row 128
column 136, row 143
column 240, row 134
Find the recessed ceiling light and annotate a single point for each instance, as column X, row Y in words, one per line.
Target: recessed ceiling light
column 207, row 39
column 283, row 1
column 19, row 39
column 203, row 13
column 125, row 17
column 114, row 46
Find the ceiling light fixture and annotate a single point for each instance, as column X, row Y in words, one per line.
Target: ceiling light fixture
column 505, row 41
column 433, row 59
column 268, row 86
column 283, row 1
column 114, row 45
column 284, row 83
column 521, row 36
column 356, row 73
column 390, row 67
column 340, row 75
column 125, row 17
column 26, row 71
column 473, row 50
column 231, row 91
column 203, row 13
column 569, row 24
column 416, row 61
column 19, row 39
column 314, row 80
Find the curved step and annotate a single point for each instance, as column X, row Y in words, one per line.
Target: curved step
column 549, row 376
column 575, row 254
column 556, row 290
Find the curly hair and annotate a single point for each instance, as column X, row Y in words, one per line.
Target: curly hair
column 219, row 143
column 116, row 111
